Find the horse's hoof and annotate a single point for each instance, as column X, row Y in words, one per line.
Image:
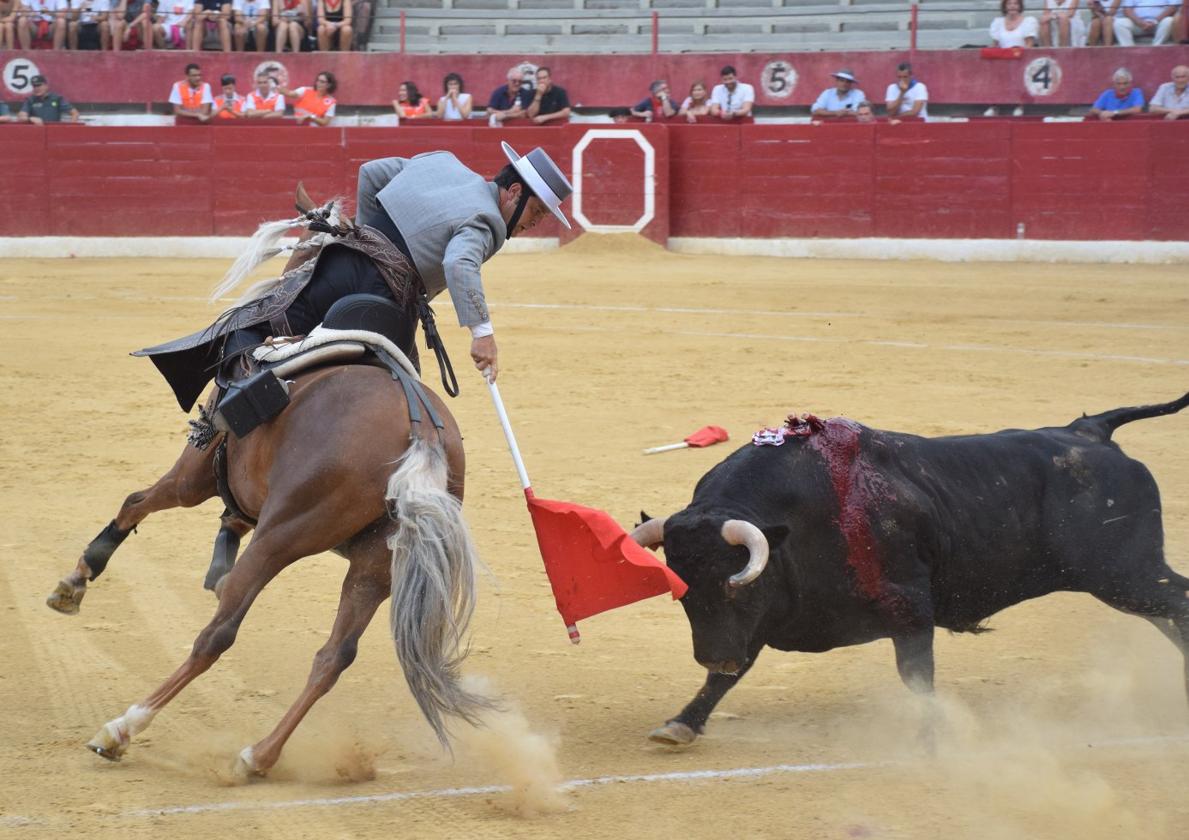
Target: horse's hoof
column 109, row 742
column 673, row 734
column 103, row 752
column 245, row 765
column 66, row 597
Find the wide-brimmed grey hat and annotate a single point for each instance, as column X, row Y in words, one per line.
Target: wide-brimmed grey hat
column 848, row 75
column 543, row 177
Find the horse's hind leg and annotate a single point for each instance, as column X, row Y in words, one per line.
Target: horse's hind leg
column 189, row 482
column 364, row 589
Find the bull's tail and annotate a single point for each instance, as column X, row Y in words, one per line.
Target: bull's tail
column 1103, row 425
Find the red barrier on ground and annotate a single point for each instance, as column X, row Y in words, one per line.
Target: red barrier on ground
column 1039, row 76
column 1076, row 181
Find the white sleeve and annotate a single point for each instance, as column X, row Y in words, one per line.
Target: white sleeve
column 175, row 95
column 719, row 96
column 330, row 110
column 820, row 103
column 250, row 102
column 482, row 330
column 1030, row 28
column 279, row 105
column 749, row 92
column 893, row 92
column 922, row 93
column 997, row 31
column 207, row 99
column 685, row 105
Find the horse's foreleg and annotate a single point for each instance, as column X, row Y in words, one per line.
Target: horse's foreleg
column 189, row 482
column 364, row 589
column 260, row 564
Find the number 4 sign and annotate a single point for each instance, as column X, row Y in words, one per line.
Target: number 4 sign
column 1042, row 76
column 18, row 74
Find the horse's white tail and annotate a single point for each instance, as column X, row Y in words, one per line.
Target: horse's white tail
column 433, row 586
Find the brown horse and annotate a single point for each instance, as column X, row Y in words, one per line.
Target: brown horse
column 340, row 468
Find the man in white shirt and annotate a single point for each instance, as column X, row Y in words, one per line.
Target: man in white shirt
column 906, row 97
column 842, row 100
column 732, row 98
column 91, row 19
column 264, row 103
column 1143, row 19
column 1172, row 98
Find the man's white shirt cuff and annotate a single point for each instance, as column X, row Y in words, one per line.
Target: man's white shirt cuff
column 482, row 330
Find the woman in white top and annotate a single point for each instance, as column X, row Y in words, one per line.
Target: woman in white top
column 454, row 105
column 697, row 104
column 1063, row 15
column 1013, row 29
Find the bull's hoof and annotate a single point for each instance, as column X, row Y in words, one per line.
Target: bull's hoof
column 109, row 742
column 66, row 597
column 673, row 734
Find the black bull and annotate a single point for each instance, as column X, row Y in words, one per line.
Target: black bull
column 845, row 534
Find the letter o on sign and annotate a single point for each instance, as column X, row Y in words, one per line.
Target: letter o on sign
column 18, row 75
column 649, row 179
column 1042, row 76
column 778, row 79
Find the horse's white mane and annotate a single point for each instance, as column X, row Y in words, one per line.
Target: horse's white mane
column 264, row 246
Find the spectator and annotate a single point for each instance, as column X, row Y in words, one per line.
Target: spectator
column 44, row 20
column 1143, row 19
column 454, row 104
column 906, row 97
column 697, row 104
column 264, row 102
column 9, row 17
column 1062, row 15
column 550, row 103
column 140, row 19
column 89, row 25
column 230, row 105
column 1120, row 100
column 191, row 97
column 250, row 17
column 1102, row 22
column 840, row 100
column 732, row 98
column 658, row 105
column 620, row 115
column 173, row 25
column 290, row 23
column 5, row 114
column 1013, row 29
column 210, row 16
column 1172, row 98
column 410, row 103
column 334, row 23
column 43, row 106
column 313, row 106
column 512, row 99
column 864, row 112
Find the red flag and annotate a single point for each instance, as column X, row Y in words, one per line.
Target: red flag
column 592, row 563
column 707, row 436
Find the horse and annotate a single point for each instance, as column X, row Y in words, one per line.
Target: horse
column 345, row 468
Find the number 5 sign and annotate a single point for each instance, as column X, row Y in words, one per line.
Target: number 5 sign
column 1042, row 76
column 18, row 74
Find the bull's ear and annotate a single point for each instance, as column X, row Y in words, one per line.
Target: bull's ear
column 776, row 535
column 644, row 517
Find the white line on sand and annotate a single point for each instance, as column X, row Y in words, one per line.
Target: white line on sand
column 596, row 781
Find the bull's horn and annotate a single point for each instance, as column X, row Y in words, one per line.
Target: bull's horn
column 649, row 534
column 740, row 532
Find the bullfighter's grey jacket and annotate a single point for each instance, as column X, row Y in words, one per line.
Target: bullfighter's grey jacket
column 449, row 217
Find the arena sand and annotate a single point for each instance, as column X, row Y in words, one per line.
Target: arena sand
column 1069, row 720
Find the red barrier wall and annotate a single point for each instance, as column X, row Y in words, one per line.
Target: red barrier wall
column 1070, row 76
column 1077, row 181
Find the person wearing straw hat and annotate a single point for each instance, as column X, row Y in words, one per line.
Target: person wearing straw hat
column 423, row 225
column 842, row 100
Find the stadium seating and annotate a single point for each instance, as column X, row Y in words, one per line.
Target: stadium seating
column 625, row 26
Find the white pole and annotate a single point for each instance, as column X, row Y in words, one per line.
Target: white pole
column 667, row 448
column 511, row 438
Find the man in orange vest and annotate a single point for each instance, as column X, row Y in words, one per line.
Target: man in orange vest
column 191, row 97
column 230, row 105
